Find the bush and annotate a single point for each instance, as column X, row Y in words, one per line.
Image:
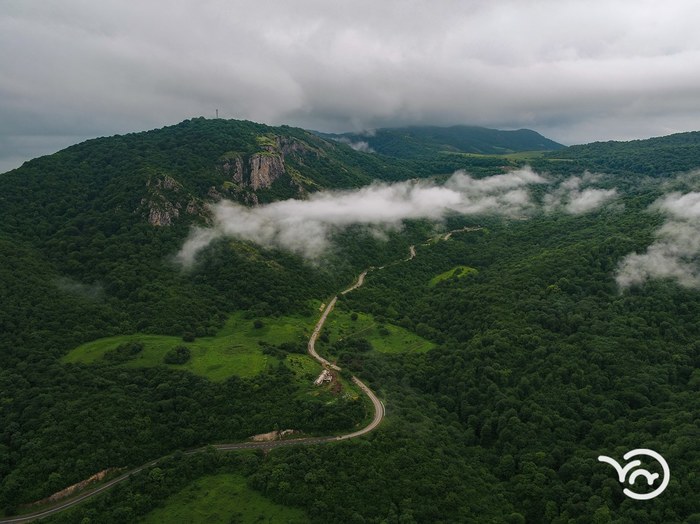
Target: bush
column 124, row 352
column 293, row 347
column 177, row 355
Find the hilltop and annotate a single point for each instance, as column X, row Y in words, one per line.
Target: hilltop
column 420, row 141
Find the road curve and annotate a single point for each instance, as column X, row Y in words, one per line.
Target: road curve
column 378, row 412
column 360, row 280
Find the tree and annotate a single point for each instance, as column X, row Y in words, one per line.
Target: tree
column 177, row 355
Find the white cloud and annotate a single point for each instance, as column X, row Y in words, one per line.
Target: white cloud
column 570, row 198
column 674, row 254
column 360, row 145
column 575, row 71
column 305, row 226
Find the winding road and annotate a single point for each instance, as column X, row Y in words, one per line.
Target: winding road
column 379, row 412
column 376, row 420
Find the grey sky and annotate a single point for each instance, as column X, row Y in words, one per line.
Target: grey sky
column 575, row 71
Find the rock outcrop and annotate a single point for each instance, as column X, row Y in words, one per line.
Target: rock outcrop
column 261, row 169
column 70, row 490
column 265, row 168
column 232, row 167
column 163, row 213
column 166, row 199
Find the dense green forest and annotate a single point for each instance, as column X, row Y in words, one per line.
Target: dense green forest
column 655, row 157
column 539, row 364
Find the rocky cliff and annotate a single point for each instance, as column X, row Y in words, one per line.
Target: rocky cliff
column 261, row 169
column 265, row 168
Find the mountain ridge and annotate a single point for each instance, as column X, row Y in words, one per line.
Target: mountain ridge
column 414, row 141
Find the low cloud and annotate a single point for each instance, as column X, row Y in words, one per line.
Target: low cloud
column 89, row 291
column 675, row 252
column 571, row 196
column 360, row 145
column 305, row 226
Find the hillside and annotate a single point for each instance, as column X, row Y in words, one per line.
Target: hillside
column 421, row 141
column 503, row 348
column 657, row 157
column 168, row 174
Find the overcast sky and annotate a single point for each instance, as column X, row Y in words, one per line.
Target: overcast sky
column 576, row 71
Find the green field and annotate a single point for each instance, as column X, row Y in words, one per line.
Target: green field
column 304, row 367
column 455, row 272
column 222, row 499
column 233, row 351
column 518, row 155
column 384, row 337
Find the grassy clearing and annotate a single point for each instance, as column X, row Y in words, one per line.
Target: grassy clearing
column 304, row 367
column 233, row 351
column 384, row 337
column 222, row 499
column 519, row 155
column 455, row 272
column 525, row 155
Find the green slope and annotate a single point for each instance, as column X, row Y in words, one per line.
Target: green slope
column 421, row 141
column 660, row 156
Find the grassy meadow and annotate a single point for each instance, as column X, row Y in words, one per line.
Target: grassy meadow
column 222, row 499
column 235, row 350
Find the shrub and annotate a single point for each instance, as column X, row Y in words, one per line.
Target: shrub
column 177, row 355
column 124, row 352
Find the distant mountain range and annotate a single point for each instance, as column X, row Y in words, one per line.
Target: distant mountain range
column 417, row 141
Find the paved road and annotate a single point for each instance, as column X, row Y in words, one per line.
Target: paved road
column 378, row 412
column 360, row 280
column 311, row 346
column 65, row 504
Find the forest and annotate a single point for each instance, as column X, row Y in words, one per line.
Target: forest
column 537, row 363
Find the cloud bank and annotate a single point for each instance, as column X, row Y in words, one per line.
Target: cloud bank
column 575, row 71
column 675, row 252
column 305, row 226
column 570, row 198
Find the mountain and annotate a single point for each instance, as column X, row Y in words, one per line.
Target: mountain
column 505, row 353
column 169, row 173
column 420, row 141
column 660, row 156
